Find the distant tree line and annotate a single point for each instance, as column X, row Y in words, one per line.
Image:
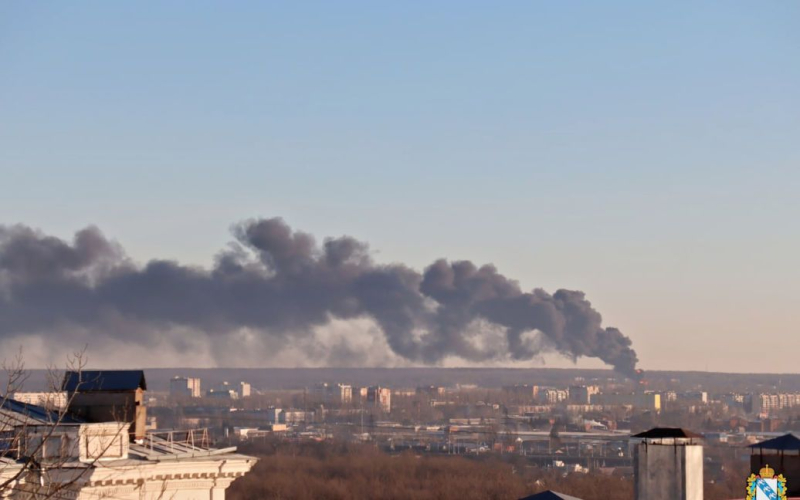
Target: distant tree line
column 340, row 470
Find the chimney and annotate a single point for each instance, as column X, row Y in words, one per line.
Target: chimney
column 108, row 396
column 668, row 465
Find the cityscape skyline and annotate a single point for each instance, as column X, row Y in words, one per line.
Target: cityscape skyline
column 400, row 250
column 643, row 154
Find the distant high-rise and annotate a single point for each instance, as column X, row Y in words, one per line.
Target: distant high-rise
column 432, row 391
column 380, row 397
column 582, row 394
column 333, row 393
column 227, row 391
column 186, row 387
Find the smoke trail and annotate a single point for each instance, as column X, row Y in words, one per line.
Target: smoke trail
column 281, row 284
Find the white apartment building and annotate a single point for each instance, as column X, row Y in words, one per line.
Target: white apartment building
column 380, row 397
column 333, row 393
column 186, row 387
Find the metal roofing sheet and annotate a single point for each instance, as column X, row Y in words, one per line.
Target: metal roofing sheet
column 104, row 380
column 550, row 495
column 24, row 413
column 787, row 442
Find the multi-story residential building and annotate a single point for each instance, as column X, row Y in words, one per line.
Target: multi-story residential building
column 333, row 393
column 734, row 400
column 767, row 403
column 380, row 397
column 695, row 396
column 225, row 391
column 582, row 394
column 552, row 396
column 522, row 392
column 274, row 415
column 186, row 387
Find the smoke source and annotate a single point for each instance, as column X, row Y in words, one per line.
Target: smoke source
column 277, row 286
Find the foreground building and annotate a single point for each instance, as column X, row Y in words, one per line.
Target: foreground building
column 82, row 454
column 668, row 465
column 782, row 454
column 550, row 495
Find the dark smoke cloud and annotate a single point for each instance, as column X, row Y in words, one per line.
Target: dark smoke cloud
column 282, row 284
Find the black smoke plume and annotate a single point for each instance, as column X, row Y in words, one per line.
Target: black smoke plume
column 281, row 284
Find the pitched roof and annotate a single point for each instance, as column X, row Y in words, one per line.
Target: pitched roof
column 104, row 380
column 14, row 413
column 787, row 442
column 667, row 432
column 550, row 495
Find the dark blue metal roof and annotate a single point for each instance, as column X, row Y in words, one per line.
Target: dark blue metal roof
column 38, row 412
column 550, row 495
column 104, row 380
column 787, row 442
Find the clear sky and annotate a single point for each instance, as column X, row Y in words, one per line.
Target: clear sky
column 647, row 153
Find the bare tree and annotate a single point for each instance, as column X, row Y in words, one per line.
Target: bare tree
column 34, row 446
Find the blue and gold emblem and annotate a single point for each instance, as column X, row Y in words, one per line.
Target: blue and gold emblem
column 766, row 485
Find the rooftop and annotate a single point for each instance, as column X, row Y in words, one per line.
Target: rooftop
column 787, row 442
column 667, row 432
column 104, row 380
column 550, row 495
column 13, row 413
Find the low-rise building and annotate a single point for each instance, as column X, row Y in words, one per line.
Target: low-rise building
column 645, row 400
column 297, row 417
column 96, row 449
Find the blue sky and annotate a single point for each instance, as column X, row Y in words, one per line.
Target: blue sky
column 646, row 153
